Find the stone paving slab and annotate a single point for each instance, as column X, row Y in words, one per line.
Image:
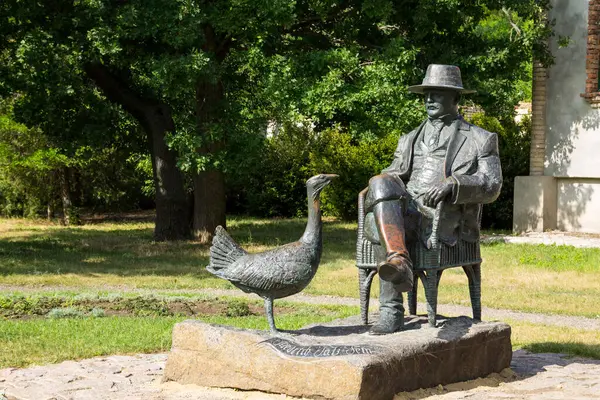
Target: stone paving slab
column 534, row 376
column 136, row 377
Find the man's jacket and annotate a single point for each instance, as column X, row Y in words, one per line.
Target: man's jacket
column 472, row 160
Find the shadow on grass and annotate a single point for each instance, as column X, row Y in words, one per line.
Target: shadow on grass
column 578, row 349
column 119, row 251
column 130, row 251
column 339, row 238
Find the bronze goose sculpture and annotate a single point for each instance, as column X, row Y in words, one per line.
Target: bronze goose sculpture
column 280, row 272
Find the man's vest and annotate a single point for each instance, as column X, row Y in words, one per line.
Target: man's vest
column 428, row 163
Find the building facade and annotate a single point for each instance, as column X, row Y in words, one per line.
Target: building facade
column 562, row 190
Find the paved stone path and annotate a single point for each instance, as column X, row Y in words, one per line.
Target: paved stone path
column 558, row 238
column 533, row 376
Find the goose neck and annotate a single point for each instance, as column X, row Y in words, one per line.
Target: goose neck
column 312, row 232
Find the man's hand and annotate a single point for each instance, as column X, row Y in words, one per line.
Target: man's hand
column 438, row 192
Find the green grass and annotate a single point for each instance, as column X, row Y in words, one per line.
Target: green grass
column 539, row 338
column 24, row 343
column 41, row 341
column 105, row 261
column 123, row 256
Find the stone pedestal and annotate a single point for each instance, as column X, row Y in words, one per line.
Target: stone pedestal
column 338, row 362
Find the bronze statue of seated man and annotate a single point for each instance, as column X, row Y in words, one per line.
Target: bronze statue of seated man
column 444, row 159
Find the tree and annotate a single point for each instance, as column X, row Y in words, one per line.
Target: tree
column 200, row 76
column 39, row 171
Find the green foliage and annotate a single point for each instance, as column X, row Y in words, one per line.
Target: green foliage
column 143, row 306
column 26, row 166
column 97, row 312
column 15, row 306
column 237, row 308
column 30, row 168
column 224, row 69
column 514, row 146
column 68, row 312
column 355, row 162
column 275, row 185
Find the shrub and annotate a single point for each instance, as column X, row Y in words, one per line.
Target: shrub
column 68, row 312
column 355, row 162
column 514, row 142
column 274, row 185
column 97, row 312
column 237, row 308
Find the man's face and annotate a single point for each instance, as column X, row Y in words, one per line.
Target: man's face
column 440, row 102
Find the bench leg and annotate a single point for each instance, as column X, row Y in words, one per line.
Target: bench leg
column 365, row 279
column 474, row 275
column 431, row 291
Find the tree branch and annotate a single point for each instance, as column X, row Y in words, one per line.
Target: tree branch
column 115, row 90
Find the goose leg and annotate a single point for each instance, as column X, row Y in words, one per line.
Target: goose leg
column 269, row 311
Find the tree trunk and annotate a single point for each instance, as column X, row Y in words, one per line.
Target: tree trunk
column 50, row 211
column 209, row 185
column 70, row 216
column 209, row 204
column 172, row 211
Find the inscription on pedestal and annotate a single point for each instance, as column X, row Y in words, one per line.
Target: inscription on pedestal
column 290, row 348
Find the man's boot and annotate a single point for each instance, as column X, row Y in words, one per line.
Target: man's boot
column 397, row 267
column 391, row 310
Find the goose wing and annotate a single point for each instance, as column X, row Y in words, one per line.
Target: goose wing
column 273, row 270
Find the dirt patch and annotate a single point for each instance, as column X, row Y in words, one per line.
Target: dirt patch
column 21, row 307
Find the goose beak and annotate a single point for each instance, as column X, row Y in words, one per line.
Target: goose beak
column 329, row 177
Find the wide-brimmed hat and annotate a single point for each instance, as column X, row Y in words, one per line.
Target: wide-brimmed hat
column 441, row 77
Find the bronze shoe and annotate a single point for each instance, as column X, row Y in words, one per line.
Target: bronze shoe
column 397, row 269
column 386, row 326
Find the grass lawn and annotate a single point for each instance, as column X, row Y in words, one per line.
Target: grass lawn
column 43, row 340
column 108, row 259
column 122, row 255
column 43, row 328
column 539, row 338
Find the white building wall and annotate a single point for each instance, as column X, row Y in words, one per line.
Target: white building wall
column 567, row 197
column 573, row 126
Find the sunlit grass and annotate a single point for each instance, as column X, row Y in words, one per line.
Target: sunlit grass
column 533, row 278
column 42, row 341
column 539, row 338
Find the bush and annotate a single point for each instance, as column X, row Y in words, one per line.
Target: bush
column 68, row 312
column 276, row 185
column 514, row 141
column 237, row 308
column 355, row 162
